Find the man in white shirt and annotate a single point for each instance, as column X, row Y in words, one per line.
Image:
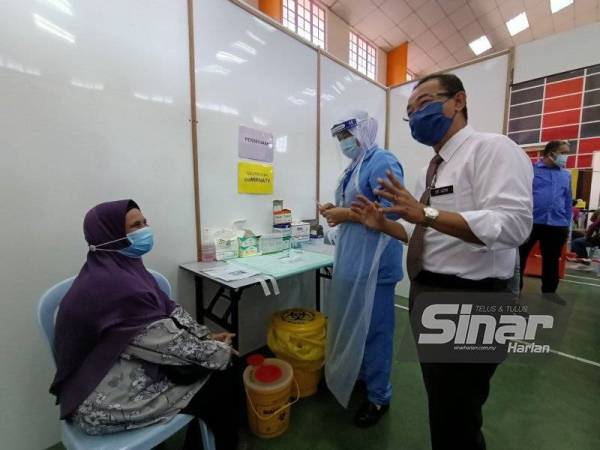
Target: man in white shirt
column 475, row 209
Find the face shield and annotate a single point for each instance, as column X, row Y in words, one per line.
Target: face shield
column 344, row 132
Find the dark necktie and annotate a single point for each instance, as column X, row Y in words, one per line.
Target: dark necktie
column 414, row 257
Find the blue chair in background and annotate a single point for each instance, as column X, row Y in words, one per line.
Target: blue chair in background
column 140, row 439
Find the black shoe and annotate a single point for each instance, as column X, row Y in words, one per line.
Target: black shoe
column 360, row 386
column 554, row 298
column 369, row 414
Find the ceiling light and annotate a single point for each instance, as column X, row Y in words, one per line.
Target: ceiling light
column 296, row 101
column 480, row 45
column 61, row 5
column 260, row 121
column 228, row 57
column 87, row 84
column 255, row 37
column 215, row 68
column 51, row 27
column 517, row 24
column 244, row 47
column 557, row 5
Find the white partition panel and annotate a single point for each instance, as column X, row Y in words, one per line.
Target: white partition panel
column 343, row 91
column 94, row 107
column 485, row 84
column 250, row 73
column 412, row 155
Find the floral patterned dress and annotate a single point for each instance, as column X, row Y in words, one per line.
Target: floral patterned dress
column 136, row 393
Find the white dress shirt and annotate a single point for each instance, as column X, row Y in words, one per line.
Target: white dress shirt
column 491, row 179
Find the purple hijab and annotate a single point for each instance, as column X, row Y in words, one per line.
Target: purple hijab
column 112, row 299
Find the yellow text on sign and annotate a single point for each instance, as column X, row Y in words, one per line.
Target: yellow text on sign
column 255, row 178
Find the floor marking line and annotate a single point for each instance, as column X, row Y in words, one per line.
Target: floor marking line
column 584, row 284
column 556, row 352
column 576, row 358
column 585, row 278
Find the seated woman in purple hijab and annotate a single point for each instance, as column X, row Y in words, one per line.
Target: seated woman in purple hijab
column 127, row 356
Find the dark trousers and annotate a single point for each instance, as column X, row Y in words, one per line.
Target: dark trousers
column 456, row 392
column 219, row 404
column 551, row 241
column 580, row 246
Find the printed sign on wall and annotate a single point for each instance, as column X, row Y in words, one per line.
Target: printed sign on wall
column 255, row 144
column 255, row 178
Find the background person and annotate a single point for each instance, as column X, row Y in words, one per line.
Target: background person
column 552, row 207
column 591, row 239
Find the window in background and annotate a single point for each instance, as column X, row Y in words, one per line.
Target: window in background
column 363, row 56
column 305, row 18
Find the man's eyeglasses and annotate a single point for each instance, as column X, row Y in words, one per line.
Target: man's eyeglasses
column 425, row 100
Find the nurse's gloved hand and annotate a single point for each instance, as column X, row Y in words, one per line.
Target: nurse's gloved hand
column 403, row 203
column 369, row 213
column 335, row 216
column 325, row 207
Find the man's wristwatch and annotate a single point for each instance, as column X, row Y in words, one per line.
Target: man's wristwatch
column 431, row 215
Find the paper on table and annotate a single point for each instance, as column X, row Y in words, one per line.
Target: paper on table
column 231, row 272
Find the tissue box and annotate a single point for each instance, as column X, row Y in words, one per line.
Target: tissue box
column 226, row 244
column 248, row 246
column 300, row 232
column 226, row 248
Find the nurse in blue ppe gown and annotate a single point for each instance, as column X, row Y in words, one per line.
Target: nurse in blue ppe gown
column 368, row 264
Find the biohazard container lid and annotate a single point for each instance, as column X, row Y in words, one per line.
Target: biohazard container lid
column 267, row 373
column 298, row 320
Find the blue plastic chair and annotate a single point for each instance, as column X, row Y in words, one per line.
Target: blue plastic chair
column 139, row 439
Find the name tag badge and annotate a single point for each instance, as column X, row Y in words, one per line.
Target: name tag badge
column 445, row 190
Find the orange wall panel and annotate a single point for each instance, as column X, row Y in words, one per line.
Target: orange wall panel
column 397, row 65
column 272, row 8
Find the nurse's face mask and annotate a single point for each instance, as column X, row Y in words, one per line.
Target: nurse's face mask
column 350, row 147
column 348, row 144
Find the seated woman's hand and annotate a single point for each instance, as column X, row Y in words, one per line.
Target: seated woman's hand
column 226, row 338
column 369, row 213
